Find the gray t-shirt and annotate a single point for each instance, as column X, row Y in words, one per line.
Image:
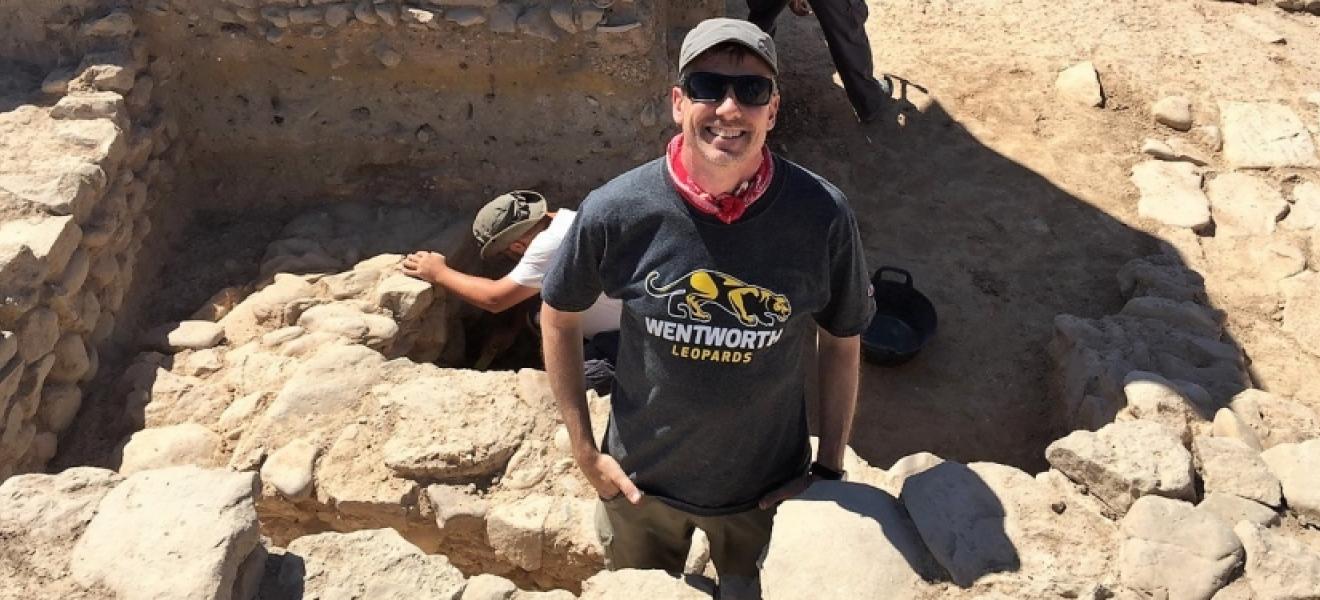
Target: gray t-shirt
column 708, row 411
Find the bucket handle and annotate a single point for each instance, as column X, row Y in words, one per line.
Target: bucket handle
column 880, row 273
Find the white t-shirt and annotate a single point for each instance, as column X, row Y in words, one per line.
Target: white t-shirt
column 530, row 270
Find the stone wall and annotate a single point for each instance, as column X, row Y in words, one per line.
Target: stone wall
column 288, row 101
column 82, row 153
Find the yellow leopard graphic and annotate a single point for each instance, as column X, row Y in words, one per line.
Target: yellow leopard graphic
column 688, row 297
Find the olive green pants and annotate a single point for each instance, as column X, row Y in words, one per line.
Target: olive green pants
column 654, row 535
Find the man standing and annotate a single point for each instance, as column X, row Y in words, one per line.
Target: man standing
column 844, row 24
column 728, row 261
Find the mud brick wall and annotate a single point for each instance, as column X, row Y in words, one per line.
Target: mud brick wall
column 83, row 151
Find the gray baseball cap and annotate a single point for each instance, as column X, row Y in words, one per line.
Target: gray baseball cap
column 505, row 219
column 713, row 32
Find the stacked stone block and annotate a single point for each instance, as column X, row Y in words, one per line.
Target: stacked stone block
column 78, row 166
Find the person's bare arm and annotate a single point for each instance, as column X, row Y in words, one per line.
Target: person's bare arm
column 561, row 338
column 838, row 364
column 490, row 295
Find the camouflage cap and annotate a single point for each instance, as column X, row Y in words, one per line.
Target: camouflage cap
column 503, row 220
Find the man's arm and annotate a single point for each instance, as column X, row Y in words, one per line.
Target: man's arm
column 838, row 364
column 561, row 335
column 490, row 295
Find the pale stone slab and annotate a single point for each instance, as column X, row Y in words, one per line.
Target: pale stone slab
column 1276, row 419
column 1190, row 316
column 1295, row 466
column 185, row 335
column 374, row 563
column 171, row 533
column 175, row 445
column 1231, row 467
column 1244, row 204
column 1265, row 135
column 1305, row 211
column 1173, row 111
column 1171, row 194
column 41, row 517
column 1262, row 32
column 1080, row 84
column 1125, row 461
column 33, row 248
column 1230, row 509
column 633, row 584
column 1176, row 405
column 289, row 469
column 1173, row 549
column 1279, row 567
column 843, row 540
column 1230, row 426
column 1301, row 318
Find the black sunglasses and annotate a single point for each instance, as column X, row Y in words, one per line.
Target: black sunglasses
column 751, row 90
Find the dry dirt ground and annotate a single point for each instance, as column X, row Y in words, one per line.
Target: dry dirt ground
column 1008, row 205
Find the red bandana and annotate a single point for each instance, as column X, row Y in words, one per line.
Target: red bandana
column 725, row 207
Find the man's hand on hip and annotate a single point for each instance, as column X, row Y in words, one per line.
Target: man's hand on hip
column 800, row 7
column 608, row 477
column 786, row 491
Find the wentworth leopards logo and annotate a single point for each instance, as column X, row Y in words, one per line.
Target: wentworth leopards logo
column 691, row 295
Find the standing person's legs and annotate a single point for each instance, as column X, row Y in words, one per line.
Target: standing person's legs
column 599, row 355
column 649, row 535
column 763, row 13
column 736, row 544
column 844, row 25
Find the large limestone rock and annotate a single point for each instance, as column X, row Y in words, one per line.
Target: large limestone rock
column 1080, row 84
column 988, row 522
column 41, row 516
column 377, row 564
column 1301, row 318
column 175, row 445
column 1279, row 567
column 1295, row 466
column 1265, row 135
column 1173, row 549
column 185, row 335
column 1244, row 204
column 1305, row 212
column 180, row 532
column 843, row 540
column 1171, row 194
column 1276, row 419
column 632, row 584
column 1179, row 406
column 1231, row 467
column 1125, row 461
column 1230, row 509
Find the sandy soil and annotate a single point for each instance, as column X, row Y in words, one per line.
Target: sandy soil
column 1008, row 205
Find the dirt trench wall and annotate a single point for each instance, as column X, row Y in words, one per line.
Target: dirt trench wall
column 83, row 152
column 287, row 101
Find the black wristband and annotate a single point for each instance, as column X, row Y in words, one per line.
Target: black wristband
column 825, row 472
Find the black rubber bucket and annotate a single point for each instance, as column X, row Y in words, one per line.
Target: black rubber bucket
column 904, row 320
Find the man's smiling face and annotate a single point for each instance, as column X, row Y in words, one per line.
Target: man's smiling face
column 726, row 133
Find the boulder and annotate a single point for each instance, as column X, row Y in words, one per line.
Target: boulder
column 1301, row 318
column 489, row 587
column 185, row 335
column 1244, row 204
column 1125, row 461
column 1279, row 567
column 1295, row 466
column 1265, row 135
column 1229, row 425
column 1174, row 112
column 1230, row 509
column 984, row 519
column 633, row 584
column 1230, row 467
column 844, row 540
column 1172, row 549
column 374, row 563
column 1190, row 316
column 41, row 516
column 516, row 531
column 1080, row 84
column 1276, row 419
column 180, row 532
column 1171, row 194
column 173, row 445
column 289, row 469
column 1176, row 405
column 1305, row 211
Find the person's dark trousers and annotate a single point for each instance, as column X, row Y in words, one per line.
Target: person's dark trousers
column 599, row 355
column 844, row 25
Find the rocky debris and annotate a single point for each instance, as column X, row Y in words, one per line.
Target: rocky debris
column 1276, row 419
column 1244, row 204
column 375, row 563
column 1174, row 112
column 1230, row 509
column 1125, row 461
column 180, row 532
column 1278, row 567
column 1265, row 135
column 844, row 540
column 1080, row 84
column 993, row 523
column 1305, row 211
column 633, row 583
column 1171, row 194
column 1171, row 548
column 175, row 445
column 185, row 335
column 41, row 517
column 1231, row 467
column 1294, row 465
